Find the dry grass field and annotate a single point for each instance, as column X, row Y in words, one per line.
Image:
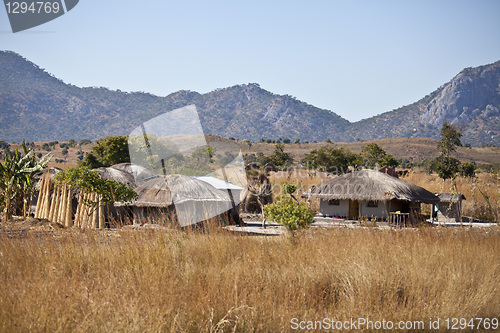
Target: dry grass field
column 182, row 281
column 482, row 193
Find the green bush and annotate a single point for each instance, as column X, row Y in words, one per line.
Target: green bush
column 291, row 215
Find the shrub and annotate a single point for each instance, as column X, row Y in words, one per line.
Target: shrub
column 291, row 215
column 467, row 169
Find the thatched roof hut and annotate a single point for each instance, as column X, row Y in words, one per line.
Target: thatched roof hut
column 369, row 193
column 370, row 185
column 175, row 189
column 194, row 200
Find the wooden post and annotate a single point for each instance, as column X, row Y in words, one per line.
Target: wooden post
column 40, row 197
column 40, row 205
column 62, row 206
column 95, row 214
column 53, row 206
column 47, row 198
column 69, row 209
column 78, row 208
column 50, row 207
column 81, row 214
column 84, row 212
column 102, row 220
column 58, row 205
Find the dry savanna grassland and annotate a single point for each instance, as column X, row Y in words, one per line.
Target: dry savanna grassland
column 210, row 280
column 213, row 281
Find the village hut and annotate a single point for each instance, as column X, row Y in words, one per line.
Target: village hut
column 450, row 207
column 187, row 199
column 368, row 193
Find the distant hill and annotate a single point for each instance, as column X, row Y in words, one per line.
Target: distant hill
column 471, row 100
column 37, row 106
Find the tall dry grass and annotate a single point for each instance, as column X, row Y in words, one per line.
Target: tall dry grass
column 88, row 281
column 483, row 206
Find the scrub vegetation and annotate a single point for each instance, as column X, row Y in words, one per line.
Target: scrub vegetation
column 212, row 281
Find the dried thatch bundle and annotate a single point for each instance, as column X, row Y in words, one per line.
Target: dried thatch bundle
column 370, row 185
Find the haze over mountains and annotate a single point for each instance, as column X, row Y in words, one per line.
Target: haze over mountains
column 37, row 106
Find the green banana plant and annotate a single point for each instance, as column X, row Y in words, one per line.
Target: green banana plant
column 16, row 176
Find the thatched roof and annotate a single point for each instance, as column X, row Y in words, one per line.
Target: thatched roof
column 176, row 189
column 140, row 173
column 370, row 185
column 450, row 197
column 117, row 175
column 132, row 175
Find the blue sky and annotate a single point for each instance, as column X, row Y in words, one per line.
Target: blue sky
column 356, row 58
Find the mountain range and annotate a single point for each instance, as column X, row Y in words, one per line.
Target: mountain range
column 37, row 106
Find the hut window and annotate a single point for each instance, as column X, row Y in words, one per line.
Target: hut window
column 372, row 203
column 334, row 202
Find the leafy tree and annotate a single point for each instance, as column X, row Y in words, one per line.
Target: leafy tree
column 372, row 153
column 85, row 179
column 108, row 151
column 450, row 139
column 263, row 160
column 297, row 141
column 4, row 145
column 448, row 166
column 430, row 165
column 332, row 159
column 286, row 140
column 279, row 157
column 291, row 215
column 72, row 142
column 467, row 169
column 389, row 160
column 16, row 177
column 84, row 142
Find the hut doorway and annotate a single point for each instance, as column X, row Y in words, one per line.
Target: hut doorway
column 353, row 209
